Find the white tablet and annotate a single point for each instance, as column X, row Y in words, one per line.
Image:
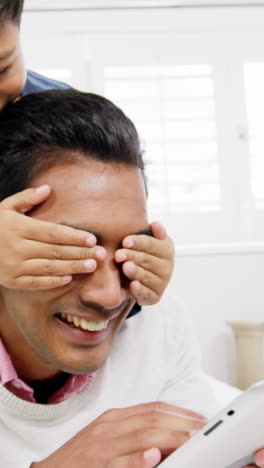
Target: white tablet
column 230, row 439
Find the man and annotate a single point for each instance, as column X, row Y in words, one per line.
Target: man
column 68, row 356
column 14, row 251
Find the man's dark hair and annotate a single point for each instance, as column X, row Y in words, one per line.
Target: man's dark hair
column 58, row 126
column 11, row 10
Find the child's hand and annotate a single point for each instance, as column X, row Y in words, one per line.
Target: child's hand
column 37, row 254
column 148, row 263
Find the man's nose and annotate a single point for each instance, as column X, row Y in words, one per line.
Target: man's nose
column 104, row 287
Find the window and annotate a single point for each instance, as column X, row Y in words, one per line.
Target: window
column 173, row 108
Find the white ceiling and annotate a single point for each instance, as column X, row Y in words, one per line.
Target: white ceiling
column 33, row 5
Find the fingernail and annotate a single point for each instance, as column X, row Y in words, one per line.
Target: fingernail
column 67, row 278
column 42, row 188
column 90, row 241
column 90, row 264
column 152, row 453
column 100, row 254
column 136, row 287
column 129, row 243
column 121, row 256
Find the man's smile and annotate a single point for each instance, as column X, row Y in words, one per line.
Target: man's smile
column 91, row 327
column 84, row 324
column 85, row 331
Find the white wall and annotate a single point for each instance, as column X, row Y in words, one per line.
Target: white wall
column 216, row 289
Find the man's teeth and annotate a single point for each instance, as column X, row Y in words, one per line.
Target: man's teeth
column 85, row 324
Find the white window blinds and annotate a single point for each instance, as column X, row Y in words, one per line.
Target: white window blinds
column 174, row 110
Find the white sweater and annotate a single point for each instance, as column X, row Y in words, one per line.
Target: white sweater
column 154, row 357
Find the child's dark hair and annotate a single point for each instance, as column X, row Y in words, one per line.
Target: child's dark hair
column 11, row 10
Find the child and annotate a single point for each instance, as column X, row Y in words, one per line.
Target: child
column 41, row 255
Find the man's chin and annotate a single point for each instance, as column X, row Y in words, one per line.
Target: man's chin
column 89, row 367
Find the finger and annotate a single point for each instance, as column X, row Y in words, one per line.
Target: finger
column 144, row 260
column 185, row 416
column 26, row 200
column 118, row 414
column 158, row 230
column 40, row 267
column 166, row 439
column 146, row 278
column 159, row 419
column 52, row 233
column 142, row 294
column 33, row 283
column 42, row 250
column 159, row 248
column 149, row 459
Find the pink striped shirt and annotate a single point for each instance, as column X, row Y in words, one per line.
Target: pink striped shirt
column 10, row 380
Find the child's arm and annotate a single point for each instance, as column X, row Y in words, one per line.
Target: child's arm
column 37, row 254
column 148, row 263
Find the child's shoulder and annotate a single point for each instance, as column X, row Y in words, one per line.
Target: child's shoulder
column 36, row 82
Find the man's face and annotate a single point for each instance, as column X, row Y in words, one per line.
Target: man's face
column 106, row 199
column 12, row 71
